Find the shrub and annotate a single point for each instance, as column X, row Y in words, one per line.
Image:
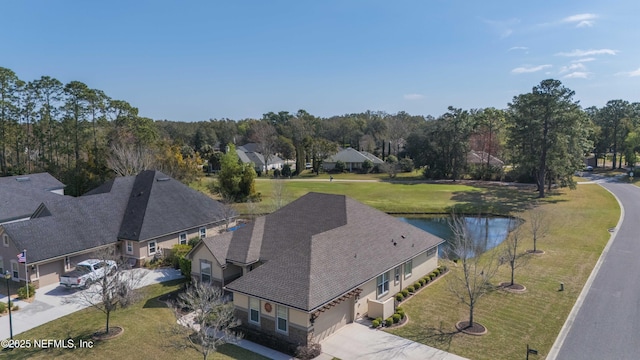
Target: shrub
column 178, row 251
column 405, row 293
column 432, row 276
column 422, row 281
column 411, row 289
column 399, row 309
column 396, row 318
column 375, row 324
column 443, row 269
column 22, row 292
column 193, row 241
column 400, row 312
column 340, row 166
column 15, row 308
column 308, row 352
column 3, row 307
column 388, row 322
column 286, row 170
column 399, row 297
column 417, row 285
column 367, row 165
column 276, row 173
column 185, row 268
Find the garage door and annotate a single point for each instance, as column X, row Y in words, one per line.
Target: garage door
column 50, row 272
column 333, row 319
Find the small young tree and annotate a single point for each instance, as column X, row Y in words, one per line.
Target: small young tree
column 477, row 268
column 538, row 226
column 212, row 319
column 513, row 257
column 113, row 291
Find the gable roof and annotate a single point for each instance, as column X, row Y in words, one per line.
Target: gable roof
column 481, row 157
column 319, row 247
column 140, row 207
column 21, row 195
column 350, row 155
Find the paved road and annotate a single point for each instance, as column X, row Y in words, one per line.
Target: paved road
column 606, row 322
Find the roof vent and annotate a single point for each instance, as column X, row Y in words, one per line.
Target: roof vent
column 163, row 179
column 22, row 179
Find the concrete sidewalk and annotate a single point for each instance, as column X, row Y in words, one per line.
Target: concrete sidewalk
column 49, row 303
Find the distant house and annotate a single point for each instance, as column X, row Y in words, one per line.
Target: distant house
column 352, row 158
column 481, row 158
column 141, row 215
column 248, row 154
column 301, row 273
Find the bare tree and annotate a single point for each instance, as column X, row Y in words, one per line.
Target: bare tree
column 114, row 290
column 477, row 267
column 513, row 257
column 211, row 318
column 226, row 211
column 538, row 226
column 129, row 159
column 280, row 194
column 265, row 136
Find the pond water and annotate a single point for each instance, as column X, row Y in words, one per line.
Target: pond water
column 486, row 231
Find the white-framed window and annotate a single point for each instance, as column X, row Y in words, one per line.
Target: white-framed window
column 254, row 311
column 408, row 268
column 129, row 247
column 203, row 232
column 152, row 247
column 14, row 271
column 382, row 284
column 396, row 275
column 183, row 238
column 282, row 319
column 5, row 240
column 205, row 271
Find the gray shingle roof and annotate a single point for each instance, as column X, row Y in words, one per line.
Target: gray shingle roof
column 21, row 195
column 321, row 246
column 350, row 155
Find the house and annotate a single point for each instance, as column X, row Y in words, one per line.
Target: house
column 352, row 158
column 248, row 153
column 301, row 273
column 21, row 195
column 481, row 158
column 141, row 215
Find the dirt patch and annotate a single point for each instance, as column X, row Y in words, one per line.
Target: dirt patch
column 114, row 332
column 535, row 252
column 515, row 288
column 476, row 329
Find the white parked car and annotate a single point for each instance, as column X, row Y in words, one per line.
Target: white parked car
column 88, row 272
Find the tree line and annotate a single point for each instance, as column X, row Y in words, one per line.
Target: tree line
column 83, row 137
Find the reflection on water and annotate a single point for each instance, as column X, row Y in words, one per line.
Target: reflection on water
column 486, row 232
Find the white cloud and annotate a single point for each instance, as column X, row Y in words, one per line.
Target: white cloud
column 572, row 67
column 583, row 60
column 413, row 96
column 579, row 53
column 502, row 27
column 518, row 48
column 577, row 75
column 630, row 73
column 529, row 69
column 581, row 20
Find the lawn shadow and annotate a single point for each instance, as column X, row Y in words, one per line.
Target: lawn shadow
column 438, row 338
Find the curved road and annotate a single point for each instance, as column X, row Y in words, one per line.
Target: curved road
column 605, row 322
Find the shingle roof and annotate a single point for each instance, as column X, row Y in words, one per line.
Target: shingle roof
column 321, row 246
column 480, row 157
column 21, row 195
column 350, row 155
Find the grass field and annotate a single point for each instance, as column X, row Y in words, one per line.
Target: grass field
column 578, row 222
column 146, row 334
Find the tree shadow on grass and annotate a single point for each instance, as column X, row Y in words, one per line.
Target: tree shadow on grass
column 499, row 199
column 436, row 337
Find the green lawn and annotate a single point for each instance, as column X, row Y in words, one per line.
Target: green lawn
column 579, row 221
column 146, row 334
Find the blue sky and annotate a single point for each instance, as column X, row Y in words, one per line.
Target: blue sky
column 196, row 60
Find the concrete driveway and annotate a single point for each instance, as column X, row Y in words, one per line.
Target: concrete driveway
column 49, row 303
column 359, row 341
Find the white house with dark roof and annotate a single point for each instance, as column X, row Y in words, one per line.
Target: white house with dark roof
column 141, row 215
column 299, row 274
column 352, row 158
column 248, row 153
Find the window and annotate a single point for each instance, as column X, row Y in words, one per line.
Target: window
column 383, row 284
column 203, row 232
column 152, row 247
column 5, row 240
column 283, row 316
column 14, row 270
column 408, row 267
column 205, row 271
column 129, row 247
column 254, row 311
column 183, row 238
column 396, row 275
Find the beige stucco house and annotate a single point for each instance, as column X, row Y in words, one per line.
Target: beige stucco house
column 302, row 272
column 142, row 216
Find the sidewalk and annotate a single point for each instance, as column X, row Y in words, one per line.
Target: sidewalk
column 49, row 303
